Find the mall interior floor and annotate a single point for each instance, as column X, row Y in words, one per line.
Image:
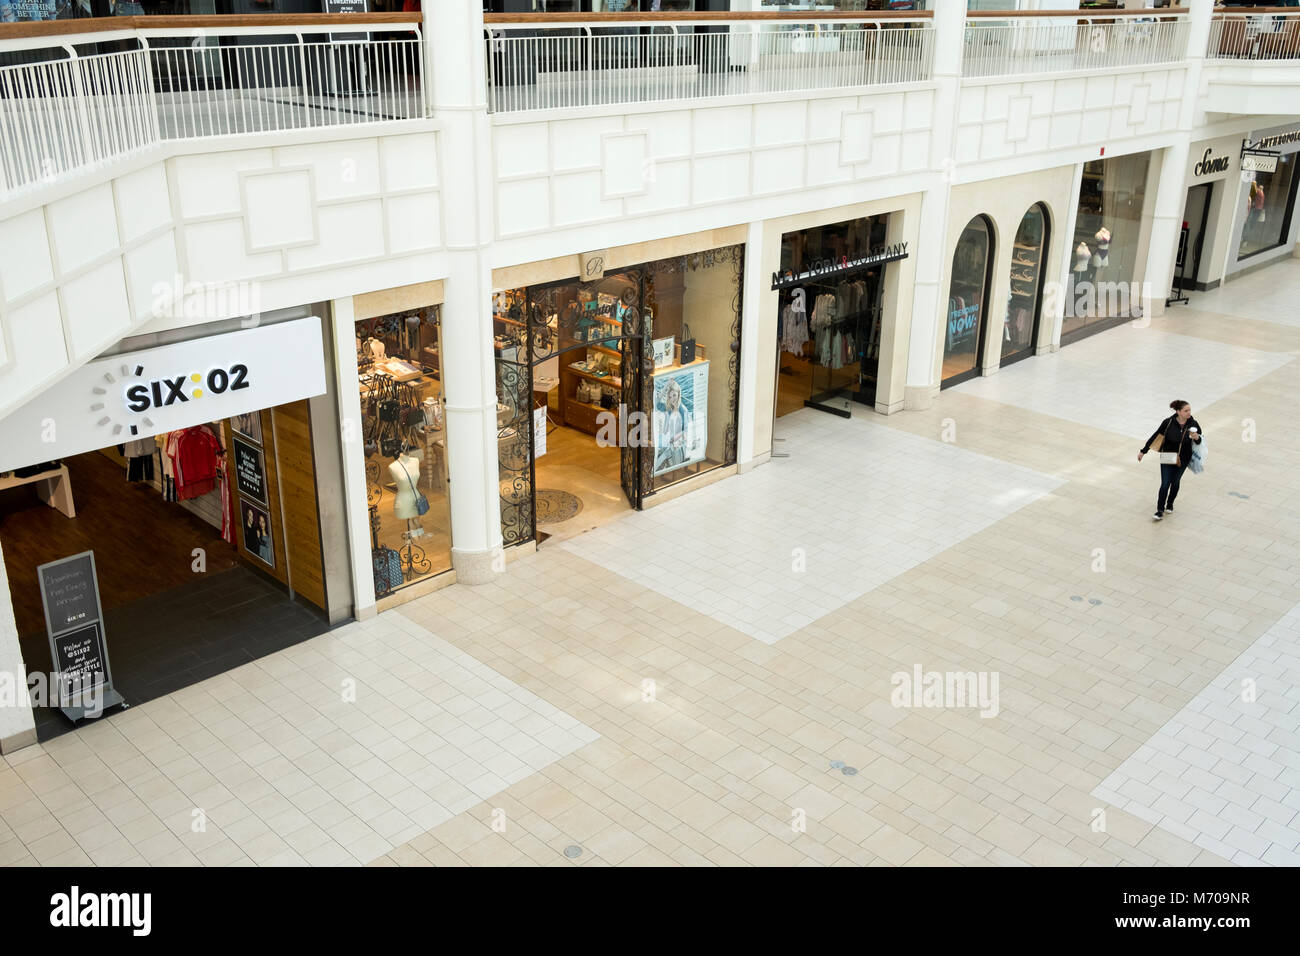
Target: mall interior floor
column 575, row 463
column 165, row 642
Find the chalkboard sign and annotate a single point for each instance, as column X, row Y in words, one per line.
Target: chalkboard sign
column 250, row 471
column 74, row 621
column 70, row 593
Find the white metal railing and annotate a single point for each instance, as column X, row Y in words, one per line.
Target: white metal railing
column 63, row 109
column 1259, row 35
column 536, row 66
column 1031, row 44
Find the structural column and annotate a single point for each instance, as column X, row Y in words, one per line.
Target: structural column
column 928, row 301
column 1171, row 191
column 17, row 728
column 456, row 75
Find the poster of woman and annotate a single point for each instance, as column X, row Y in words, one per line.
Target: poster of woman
column 681, row 403
column 249, row 425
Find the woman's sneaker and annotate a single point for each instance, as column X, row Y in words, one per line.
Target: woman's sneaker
column 1157, row 516
column 1169, row 509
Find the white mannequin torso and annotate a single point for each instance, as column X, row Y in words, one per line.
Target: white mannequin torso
column 399, row 471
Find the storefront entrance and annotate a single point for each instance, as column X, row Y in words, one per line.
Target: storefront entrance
column 184, row 528
column 612, row 389
column 205, row 543
column 829, row 324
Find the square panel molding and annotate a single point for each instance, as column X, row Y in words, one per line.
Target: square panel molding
column 855, row 136
column 1018, row 113
column 626, row 166
column 279, row 208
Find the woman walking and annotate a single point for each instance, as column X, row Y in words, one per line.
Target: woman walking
column 1173, row 439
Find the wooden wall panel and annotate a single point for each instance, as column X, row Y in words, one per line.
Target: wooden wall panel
column 297, row 474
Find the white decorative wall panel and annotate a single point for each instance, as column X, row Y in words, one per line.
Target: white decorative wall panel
column 83, row 228
column 95, row 306
column 25, row 264
column 101, row 263
column 1022, row 117
column 279, row 209
column 143, row 206
column 700, row 155
column 208, row 183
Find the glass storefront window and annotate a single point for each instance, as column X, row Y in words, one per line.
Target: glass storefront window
column 1103, row 251
column 967, row 293
column 399, row 367
column 1268, row 199
column 1025, row 303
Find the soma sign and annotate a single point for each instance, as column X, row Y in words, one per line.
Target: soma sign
column 1211, row 164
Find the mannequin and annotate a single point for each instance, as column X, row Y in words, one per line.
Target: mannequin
column 378, row 351
column 405, row 472
column 1082, row 255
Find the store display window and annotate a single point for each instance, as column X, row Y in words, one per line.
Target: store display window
column 1104, row 248
column 968, row 293
column 1025, row 304
column 1268, row 199
column 399, row 370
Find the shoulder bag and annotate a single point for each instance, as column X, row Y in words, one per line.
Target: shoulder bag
column 1166, row 457
column 421, row 502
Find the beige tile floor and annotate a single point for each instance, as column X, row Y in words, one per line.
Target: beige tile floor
column 706, row 746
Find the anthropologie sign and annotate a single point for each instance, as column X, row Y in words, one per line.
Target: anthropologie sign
column 140, row 394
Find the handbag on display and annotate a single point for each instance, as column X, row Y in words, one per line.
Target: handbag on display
column 688, row 345
column 389, row 409
column 387, row 567
column 390, row 447
column 421, row 502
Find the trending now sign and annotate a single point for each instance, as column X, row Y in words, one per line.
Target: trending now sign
column 140, row 394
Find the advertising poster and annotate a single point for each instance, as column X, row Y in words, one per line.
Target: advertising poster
column 256, row 525
column 681, row 417
column 250, row 471
column 963, row 320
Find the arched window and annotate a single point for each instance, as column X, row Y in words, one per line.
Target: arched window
column 968, row 293
column 1025, row 305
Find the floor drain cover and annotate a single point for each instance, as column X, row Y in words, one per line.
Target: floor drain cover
column 573, row 852
column 1094, row 601
column 1076, row 597
column 837, row 764
column 849, row 771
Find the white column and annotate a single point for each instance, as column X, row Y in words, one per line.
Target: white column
column 457, row 77
column 1055, row 298
column 928, row 300
column 1171, row 191
column 17, row 728
column 343, row 329
column 750, row 300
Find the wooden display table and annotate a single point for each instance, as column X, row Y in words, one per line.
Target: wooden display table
column 54, row 488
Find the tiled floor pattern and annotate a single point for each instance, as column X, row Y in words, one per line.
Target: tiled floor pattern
column 717, row 748
column 728, row 550
column 1085, row 383
column 1224, row 773
column 1270, row 295
column 285, row 769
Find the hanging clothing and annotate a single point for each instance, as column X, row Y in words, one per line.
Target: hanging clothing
column 794, row 330
column 227, row 505
column 194, row 453
column 168, row 471
column 139, row 459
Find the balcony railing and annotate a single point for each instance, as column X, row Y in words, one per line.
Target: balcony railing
column 562, row 61
column 1264, row 33
column 116, row 87
column 1005, row 44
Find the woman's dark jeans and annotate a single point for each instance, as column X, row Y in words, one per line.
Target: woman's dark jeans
column 1170, row 476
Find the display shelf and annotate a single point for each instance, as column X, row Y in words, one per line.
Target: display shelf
column 613, row 381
